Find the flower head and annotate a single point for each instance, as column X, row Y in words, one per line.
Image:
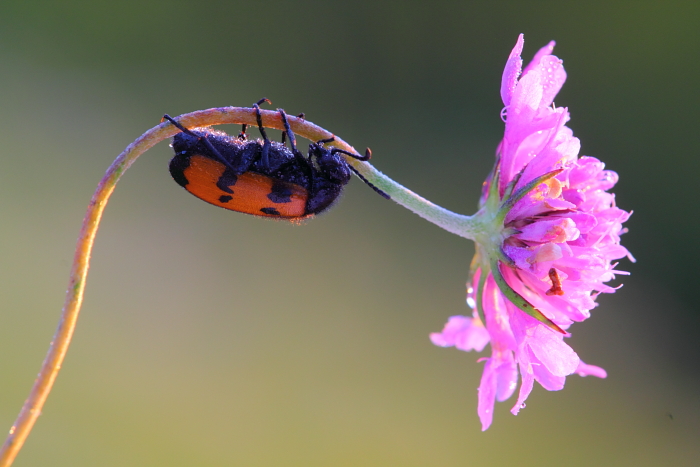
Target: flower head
column 550, row 232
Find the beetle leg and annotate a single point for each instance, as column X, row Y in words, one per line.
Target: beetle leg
column 242, row 136
column 203, row 139
column 264, row 158
column 298, row 155
column 288, row 130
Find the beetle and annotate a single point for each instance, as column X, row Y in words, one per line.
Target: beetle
column 261, row 177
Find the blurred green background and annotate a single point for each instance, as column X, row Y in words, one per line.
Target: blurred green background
column 214, row 338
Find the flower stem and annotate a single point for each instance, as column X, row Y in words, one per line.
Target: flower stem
column 76, row 287
column 458, row 224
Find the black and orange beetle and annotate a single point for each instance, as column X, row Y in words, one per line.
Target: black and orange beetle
column 260, row 177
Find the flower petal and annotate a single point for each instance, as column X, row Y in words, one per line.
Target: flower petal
column 557, row 230
column 512, row 71
column 546, row 50
column 463, row 333
column 546, row 345
column 584, row 369
column 551, row 236
column 487, row 394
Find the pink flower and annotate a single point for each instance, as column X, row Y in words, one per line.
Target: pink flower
column 550, row 232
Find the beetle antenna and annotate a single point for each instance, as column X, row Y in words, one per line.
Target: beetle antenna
column 366, row 157
column 379, row 192
column 178, row 126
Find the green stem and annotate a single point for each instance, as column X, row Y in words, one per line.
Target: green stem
column 458, row 224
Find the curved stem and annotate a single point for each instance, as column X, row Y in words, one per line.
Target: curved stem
column 81, row 261
column 458, row 224
column 74, row 294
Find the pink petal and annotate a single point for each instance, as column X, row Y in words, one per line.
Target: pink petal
column 507, row 377
column 553, row 77
column 528, row 380
column 526, row 99
column 547, row 345
column 496, row 314
column 463, row 333
column 550, row 349
column 512, row 71
column 548, row 381
column 547, row 252
column 498, row 381
column 522, row 257
column 546, row 50
column 487, row 395
column 554, row 230
column 585, row 370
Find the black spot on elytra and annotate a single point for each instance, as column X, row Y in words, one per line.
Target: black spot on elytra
column 178, row 164
column 280, row 193
column 270, row 211
column 227, row 179
column 225, row 198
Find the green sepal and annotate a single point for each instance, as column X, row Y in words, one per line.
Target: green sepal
column 511, row 186
column 493, row 197
column 518, row 195
column 504, row 258
column 480, row 295
column 518, row 300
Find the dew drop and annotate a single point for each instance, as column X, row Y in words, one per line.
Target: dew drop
column 470, row 297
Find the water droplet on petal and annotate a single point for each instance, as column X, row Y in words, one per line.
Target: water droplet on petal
column 470, row 297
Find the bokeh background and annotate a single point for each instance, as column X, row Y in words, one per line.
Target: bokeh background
column 213, row 338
